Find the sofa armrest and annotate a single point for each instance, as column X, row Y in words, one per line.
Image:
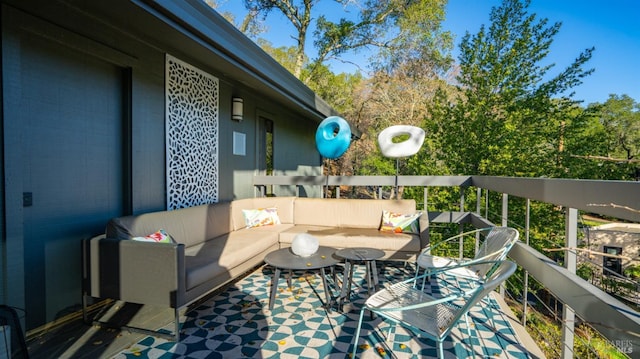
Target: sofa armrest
column 134, row 271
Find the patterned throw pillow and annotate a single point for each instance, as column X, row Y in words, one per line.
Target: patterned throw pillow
column 161, row 236
column 400, row 223
column 261, row 217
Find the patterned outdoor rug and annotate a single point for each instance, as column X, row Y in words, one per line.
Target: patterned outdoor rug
column 238, row 324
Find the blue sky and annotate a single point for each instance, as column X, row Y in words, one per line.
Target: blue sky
column 612, row 27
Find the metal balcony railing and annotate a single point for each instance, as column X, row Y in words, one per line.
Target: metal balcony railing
column 578, row 304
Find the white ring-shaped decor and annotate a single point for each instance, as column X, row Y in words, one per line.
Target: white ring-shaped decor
column 333, row 137
column 406, row 148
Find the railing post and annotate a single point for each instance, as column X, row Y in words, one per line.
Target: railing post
column 505, row 209
column 486, row 204
column 525, row 286
column 425, row 200
column 505, row 221
column 570, row 261
column 461, row 226
column 478, row 207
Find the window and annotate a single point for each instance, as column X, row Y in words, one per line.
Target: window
column 268, row 149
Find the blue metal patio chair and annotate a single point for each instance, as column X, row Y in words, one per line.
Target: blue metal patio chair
column 422, row 313
column 494, row 249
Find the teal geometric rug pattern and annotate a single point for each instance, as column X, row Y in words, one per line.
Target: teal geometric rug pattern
column 238, row 324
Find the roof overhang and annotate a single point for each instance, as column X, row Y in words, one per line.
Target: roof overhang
column 187, row 28
column 243, row 60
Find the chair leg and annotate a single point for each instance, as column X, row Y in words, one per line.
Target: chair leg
column 440, row 348
column 357, row 334
column 466, row 319
column 391, row 333
column 415, row 277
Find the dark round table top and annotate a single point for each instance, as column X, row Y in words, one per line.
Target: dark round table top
column 285, row 259
column 360, row 254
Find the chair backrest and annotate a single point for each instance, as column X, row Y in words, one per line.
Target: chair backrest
column 495, row 247
column 503, row 271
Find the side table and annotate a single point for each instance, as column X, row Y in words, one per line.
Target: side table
column 352, row 255
column 285, row 259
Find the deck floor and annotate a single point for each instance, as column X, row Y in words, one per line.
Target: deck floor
column 236, row 323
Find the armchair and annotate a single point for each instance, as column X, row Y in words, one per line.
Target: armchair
column 415, row 310
column 494, row 249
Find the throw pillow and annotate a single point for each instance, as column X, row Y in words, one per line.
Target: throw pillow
column 400, row 223
column 161, row 236
column 261, row 217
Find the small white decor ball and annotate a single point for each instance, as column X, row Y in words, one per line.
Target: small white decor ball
column 304, row 245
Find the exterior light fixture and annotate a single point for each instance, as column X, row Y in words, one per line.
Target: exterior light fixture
column 236, row 109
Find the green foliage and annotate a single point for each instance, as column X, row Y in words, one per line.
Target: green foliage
column 617, row 147
column 506, row 117
column 286, row 56
column 400, row 27
column 632, row 271
column 585, row 271
column 337, row 89
column 298, row 14
column 546, row 332
column 377, row 165
column 418, row 36
column 587, row 136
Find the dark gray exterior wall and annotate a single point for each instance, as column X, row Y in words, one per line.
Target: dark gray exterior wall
column 125, row 40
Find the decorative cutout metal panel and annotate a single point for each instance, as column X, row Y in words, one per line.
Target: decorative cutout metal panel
column 191, row 135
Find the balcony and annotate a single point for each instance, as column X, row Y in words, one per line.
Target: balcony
column 577, row 305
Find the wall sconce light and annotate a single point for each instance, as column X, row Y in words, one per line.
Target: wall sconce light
column 236, row 109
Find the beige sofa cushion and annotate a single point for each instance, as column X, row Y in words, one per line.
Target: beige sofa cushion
column 189, row 226
column 207, row 260
column 355, row 237
column 284, row 206
column 350, row 213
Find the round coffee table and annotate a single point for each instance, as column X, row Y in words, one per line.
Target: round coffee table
column 285, row 259
column 352, row 255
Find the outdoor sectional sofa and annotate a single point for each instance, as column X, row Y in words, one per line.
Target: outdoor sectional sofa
column 212, row 245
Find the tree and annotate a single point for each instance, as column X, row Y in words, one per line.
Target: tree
column 583, row 135
column 337, row 89
column 378, row 24
column 250, row 25
column 605, row 142
column 406, row 71
column 620, row 118
column 399, row 30
column 298, row 14
column 506, row 116
column 410, row 52
column 286, row 56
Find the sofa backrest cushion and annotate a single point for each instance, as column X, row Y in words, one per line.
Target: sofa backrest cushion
column 353, row 213
column 284, row 206
column 189, row 226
